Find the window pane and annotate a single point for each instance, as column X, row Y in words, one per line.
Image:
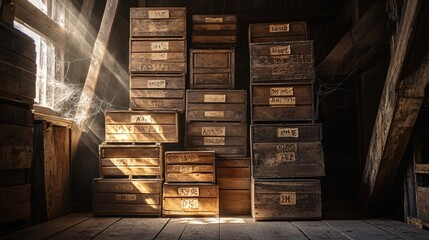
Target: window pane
column 40, row 4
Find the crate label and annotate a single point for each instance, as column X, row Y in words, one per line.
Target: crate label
column 123, row 129
column 286, row 91
column 159, row 46
column 275, row 28
column 126, row 197
column 151, row 129
column 282, row 101
column 288, row 132
column 186, row 169
column 285, row 157
column 213, row 27
column 141, row 119
column 214, row 141
column 292, row 147
column 182, row 157
column 213, row 131
column 189, row 203
column 214, row 114
column 188, row 191
column 213, row 20
column 280, row 50
column 156, row 84
column 214, row 98
column 156, row 94
column 157, row 103
column 157, row 14
column 159, row 56
column 288, row 198
column 123, row 161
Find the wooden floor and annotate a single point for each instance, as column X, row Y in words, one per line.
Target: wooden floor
column 84, row 226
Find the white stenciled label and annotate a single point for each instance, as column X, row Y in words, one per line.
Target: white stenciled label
column 182, row 157
column 189, row 203
column 282, row 101
column 123, row 161
column 213, row 20
column 274, row 28
column 126, row 197
column 159, row 56
column 156, row 14
column 280, row 50
column 285, row 156
column 156, row 94
column 213, row 131
column 286, row 91
column 186, row 169
column 287, row 147
column 188, row 191
column 214, row 141
column 150, row 129
column 214, row 114
column 288, row 132
column 288, row 198
column 141, row 119
column 159, row 46
column 156, row 84
column 214, row 98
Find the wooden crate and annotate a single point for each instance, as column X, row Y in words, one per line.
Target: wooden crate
column 277, row 32
column 283, row 61
column 157, row 92
column 212, row 68
column 131, row 161
column 190, row 199
column 216, row 105
column 127, row 197
column 157, row 56
column 16, row 113
column 282, row 199
column 234, row 185
column 286, row 151
column 190, row 166
column 226, row 139
column 141, row 127
column 15, row 203
column 214, row 31
column 16, row 146
column 282, row 102
column 422, row 202
column 157, row 22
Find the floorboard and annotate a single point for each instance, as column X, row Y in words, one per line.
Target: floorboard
column 201, row 229
column 86, row 230
column 240, row 228
column 133, row 228
column 358, row 229
column 318, row 230
column 280, row 230
column 400, row 229
column 173, row 229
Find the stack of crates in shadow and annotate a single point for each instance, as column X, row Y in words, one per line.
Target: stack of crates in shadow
column 286, row 148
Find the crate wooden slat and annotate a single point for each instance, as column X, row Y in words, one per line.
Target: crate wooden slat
column 16, row 113
column 234, row 185
column 282, row 61
column 15, row 203
column 216, row 105
column 282, row 102
column 277, row 32
column 157, row 22
column 190, row 166
column 214, row 31
column 286, row 199
column 131, row 161
column 190, row 199
column 422, row 202
column 16, row 146
column 141, row 127
column 157, row 92
column 286, row 133
column 127, row 197
column 157, row 56
column 17, row 41
column 212, row 68
column 226, row 139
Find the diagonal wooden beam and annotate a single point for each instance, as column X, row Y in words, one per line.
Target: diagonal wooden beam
column 396, row 115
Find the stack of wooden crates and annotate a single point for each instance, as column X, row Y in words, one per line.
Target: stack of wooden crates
column 135, row 138
column 286, row 146
column 17, row 93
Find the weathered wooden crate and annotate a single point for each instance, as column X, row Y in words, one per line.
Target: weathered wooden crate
column 422, row 202
column 15, row 203
column 16, row 146
column 282, row 102
column 190, row 199
column 190, row 166
column 216, row 105
column 226, row 139
column 277, row 32
column 157, row 92
column 286, row 151
column 214, row 31
column 131, row 161
column 233, row 176
column 127, row 197
column 157, row 56
column 157, row 22
column 282, row 61
column 282, row 199
column 141, row 127
column 212, row 68
column 16, row 113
